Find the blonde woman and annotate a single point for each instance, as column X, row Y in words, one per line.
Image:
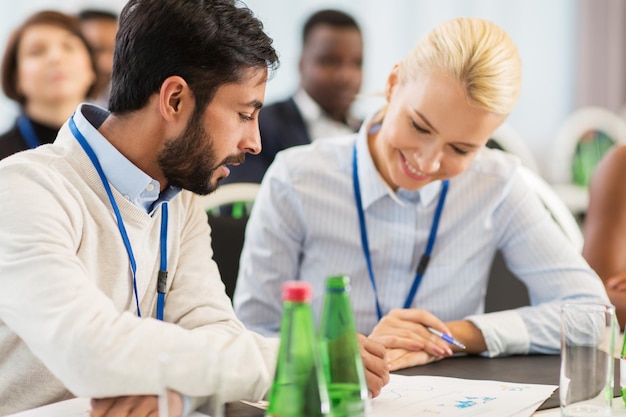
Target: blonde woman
column 413, row 208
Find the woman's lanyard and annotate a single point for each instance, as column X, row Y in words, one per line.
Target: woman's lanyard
column 27, row 131
column 162, row 277
column 423, row 263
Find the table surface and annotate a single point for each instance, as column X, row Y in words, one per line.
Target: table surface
column 532, row 369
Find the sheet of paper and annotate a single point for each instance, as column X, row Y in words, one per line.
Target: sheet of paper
column 429, row 396
column 529, row 411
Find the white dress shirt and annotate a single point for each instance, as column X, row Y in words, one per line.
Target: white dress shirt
column 304, row 226
column 317, row 122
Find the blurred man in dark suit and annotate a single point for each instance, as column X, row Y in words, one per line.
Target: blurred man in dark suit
column 330, row 78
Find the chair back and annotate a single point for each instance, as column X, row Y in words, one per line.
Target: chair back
column 580, row 143
column 227, row 231
column 507, row 139
column 230, row 195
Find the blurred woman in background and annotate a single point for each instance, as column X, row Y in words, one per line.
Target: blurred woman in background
column 48, row 69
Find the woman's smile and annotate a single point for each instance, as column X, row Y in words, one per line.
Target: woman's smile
column 412, row 171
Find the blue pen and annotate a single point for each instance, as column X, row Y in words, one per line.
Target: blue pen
column 446, row 337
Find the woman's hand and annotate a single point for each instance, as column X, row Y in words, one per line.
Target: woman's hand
column 402, row 358
column 406, row 329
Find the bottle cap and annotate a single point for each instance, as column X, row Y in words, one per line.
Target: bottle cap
column 298, row 291
column 338, row 283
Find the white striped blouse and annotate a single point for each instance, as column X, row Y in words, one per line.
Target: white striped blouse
column 304, row 225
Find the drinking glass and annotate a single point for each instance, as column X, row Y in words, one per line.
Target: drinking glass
column 587, row 347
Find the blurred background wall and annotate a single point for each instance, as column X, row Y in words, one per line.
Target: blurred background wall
column 550, row 36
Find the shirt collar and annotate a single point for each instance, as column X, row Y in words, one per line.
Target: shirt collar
column 374, row 187
column 312, row 112
column 134, row 184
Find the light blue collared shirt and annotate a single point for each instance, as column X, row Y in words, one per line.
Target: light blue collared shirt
column 304, row 225
column 134, row 184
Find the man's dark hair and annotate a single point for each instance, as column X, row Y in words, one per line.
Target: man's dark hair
column 329, row 17
column 93, row 14
column 206, row 42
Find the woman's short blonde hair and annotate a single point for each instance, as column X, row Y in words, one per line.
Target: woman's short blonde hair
column 476, row 52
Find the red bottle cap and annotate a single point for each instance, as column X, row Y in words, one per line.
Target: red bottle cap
column 298, row 291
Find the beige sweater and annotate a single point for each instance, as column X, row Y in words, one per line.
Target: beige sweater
column 68, row 322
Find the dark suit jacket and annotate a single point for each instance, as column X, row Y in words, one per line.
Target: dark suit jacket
column 281, row 126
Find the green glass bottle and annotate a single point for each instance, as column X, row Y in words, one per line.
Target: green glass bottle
column 299, row 387
column 341, row 358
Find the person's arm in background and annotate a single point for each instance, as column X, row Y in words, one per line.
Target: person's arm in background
column 605, row 227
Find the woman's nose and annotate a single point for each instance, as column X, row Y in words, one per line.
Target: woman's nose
column 428, row 159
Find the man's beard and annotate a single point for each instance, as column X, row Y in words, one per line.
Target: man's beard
column 189, row 160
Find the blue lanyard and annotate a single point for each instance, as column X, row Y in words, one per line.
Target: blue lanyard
column 27, row 131
column 162, row 277
column 423, row 263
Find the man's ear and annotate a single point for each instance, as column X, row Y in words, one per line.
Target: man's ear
column 175, row 99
